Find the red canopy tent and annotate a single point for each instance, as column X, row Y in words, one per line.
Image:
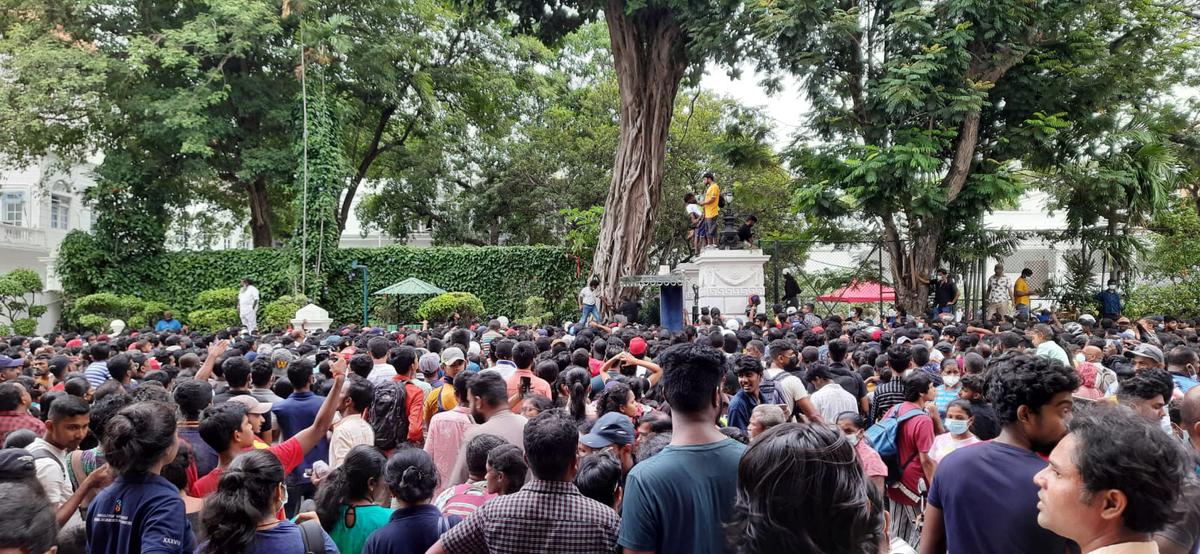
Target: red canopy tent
column 856, row 291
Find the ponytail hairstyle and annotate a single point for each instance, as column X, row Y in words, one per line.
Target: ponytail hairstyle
column 138, row 436
column 245, row 496
column 411, row 475
column 577, row 381
column 349, row 482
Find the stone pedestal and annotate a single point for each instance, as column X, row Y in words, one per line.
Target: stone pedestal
column 312, row 318
column 726, row 278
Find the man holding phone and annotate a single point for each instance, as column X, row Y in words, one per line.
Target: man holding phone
column 523, row 381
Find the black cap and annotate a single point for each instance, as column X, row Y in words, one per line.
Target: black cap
column 16, row 464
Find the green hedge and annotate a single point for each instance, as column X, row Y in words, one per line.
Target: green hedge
column 502, row 277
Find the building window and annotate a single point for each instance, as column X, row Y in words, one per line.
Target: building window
column 12, row 208
column 60, row 212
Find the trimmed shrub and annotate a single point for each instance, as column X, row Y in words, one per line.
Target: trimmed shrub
column 441, row 307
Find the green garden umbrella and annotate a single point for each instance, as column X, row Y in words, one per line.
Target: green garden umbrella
column 411, row 287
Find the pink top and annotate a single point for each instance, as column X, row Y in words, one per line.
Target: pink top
column 870, row 461
column 945, row 443
column 445, row 440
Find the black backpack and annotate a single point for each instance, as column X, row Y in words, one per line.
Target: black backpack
column 311, row 534
column 720, row 200
column 389, row 415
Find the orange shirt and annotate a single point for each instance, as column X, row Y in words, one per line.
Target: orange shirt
column 536, row 384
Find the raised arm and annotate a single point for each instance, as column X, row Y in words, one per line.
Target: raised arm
column 655, row 372
column 215, row 350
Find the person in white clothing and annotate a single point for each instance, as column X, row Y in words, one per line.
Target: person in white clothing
column 66, row 427
column 830, row 399
column 589, row 305
column 351, row 430
column 248, row 305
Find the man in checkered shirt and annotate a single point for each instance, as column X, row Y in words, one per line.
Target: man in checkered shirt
column 548, row 514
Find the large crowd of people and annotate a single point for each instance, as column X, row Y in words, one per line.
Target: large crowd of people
column 772, row 432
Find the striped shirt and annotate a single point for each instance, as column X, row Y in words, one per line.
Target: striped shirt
column 887, row 395
column 544, row 516
column 463, row 500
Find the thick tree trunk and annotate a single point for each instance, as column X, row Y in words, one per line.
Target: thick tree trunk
column 260, row 213
column 649, row 53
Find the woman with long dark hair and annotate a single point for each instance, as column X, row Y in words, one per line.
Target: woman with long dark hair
column 572, row 389
column 347, row 502
column 801, row 490
column 241, row 516
column 417, row 524
column 140, row 508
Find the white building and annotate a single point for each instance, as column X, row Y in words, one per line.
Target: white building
column 39, row 205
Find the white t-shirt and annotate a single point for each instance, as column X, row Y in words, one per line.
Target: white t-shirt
column 694, row 209
column 789, row 386
column 587, row 296
column 247, row 299
column 381, row 373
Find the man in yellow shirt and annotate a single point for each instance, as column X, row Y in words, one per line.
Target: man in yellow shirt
column 712, row 208
column 1021, row 293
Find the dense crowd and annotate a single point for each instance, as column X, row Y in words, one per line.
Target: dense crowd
column 766, row 432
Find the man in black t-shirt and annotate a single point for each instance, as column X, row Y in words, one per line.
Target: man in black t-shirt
column 945, row 294
column 746, row 231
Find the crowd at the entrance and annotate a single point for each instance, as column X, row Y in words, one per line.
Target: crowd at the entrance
column 782, row 431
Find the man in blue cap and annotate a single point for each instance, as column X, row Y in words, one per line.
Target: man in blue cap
column 614, row 432
column 10, row 368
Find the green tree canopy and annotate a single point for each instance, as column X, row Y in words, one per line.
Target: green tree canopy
column 928, row 115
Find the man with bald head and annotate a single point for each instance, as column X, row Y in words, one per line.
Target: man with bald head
column 1182, row 534
column 1105, row 377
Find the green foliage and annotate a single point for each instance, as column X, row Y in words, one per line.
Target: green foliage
column 278, row 314
column 443, row 306
column 24, row 327
column 217, row 298
column 18, row 288
column 96, row 311
column 317, row 230
column 213, row 319
column 1077, row 294
column 1179, row 299
column 927, row 116
column 92, row 322
column 503, row 277
column 1174, row 252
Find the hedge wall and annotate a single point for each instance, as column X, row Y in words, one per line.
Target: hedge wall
column 503, row 277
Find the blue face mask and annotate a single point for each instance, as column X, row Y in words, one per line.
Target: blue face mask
column 957, row 426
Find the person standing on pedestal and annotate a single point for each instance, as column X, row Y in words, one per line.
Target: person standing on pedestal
column 589, row 304
column 248, row 305
column 712, row 209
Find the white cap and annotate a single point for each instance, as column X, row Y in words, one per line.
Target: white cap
column 474, row 349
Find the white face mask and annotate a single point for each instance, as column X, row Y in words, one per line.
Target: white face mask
column 1079, row 358
column 852, row 439
column 950, row 380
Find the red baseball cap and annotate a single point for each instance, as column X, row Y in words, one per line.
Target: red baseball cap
column 637, row 346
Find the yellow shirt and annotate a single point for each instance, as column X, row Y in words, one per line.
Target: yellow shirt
column 449, row 401
column 1019, row 289
column 711, row 203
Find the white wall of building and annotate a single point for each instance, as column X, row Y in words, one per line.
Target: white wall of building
column 39, row 205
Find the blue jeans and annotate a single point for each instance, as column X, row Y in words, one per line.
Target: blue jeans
column 1022, row 311
column 589, row 310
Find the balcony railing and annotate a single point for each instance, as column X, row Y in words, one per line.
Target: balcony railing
column 22, row 237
